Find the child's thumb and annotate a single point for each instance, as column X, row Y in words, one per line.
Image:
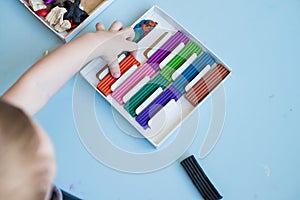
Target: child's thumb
column 114, row 68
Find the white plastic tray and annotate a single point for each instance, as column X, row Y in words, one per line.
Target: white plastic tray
column 164, row 123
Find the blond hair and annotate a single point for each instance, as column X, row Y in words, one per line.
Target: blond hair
column 22, row 175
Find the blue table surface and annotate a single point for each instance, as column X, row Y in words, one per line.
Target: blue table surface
column 257, row 154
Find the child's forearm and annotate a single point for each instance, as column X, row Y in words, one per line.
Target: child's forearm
column 32, row 91
column 44, row 78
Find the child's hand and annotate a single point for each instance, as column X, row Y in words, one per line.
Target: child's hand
column 114, row 41
column 39, row 82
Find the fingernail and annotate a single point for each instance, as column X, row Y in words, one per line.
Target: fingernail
column 116, row 74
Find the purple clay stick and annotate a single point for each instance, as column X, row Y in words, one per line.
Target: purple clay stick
column 166, row 49
column 157, row 105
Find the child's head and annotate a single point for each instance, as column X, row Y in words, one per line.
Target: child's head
column 27, row 165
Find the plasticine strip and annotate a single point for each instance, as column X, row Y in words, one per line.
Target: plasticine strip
column 163, row 79
column 152, row 63
column 102, row 73
column 144, row 93
column 104, row 85
column 164, row 117
column 156, row 106
column 178, row 88
column 199, row 179
column 154, row 44
column 159, row 44
column 171, row 55
column 165, row 50
column 197, row 78
column 179, row 59
column 215, row 76
column 191, row 72
column 135, row 89
column 206, row 84
column 146, row 103
column 183, row 67
column 123, row 78
column 128, row 84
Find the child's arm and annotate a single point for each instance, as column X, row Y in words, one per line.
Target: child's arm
column 32, row 91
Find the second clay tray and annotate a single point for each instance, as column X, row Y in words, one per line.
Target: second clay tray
column 172, row 73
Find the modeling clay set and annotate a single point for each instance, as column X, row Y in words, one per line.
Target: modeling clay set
column 163, row 84
column 66, row 17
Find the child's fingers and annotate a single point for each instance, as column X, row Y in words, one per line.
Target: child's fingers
column 100, row 27
column 128, row 33
column 134, row 53
column 130, row 46
column 116, row 26
column 114, row 69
